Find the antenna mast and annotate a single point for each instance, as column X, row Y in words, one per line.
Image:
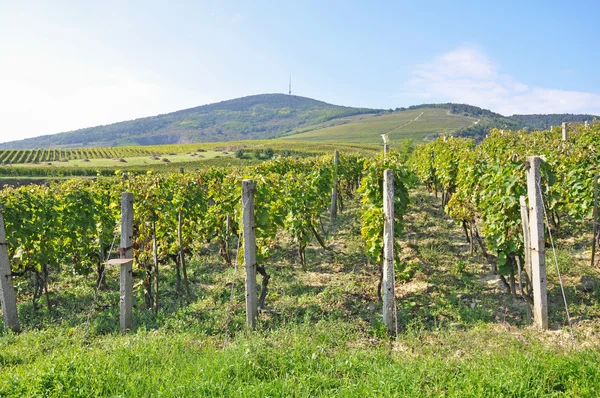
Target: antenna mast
column 290, row 91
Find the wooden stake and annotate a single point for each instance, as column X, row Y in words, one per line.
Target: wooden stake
column 536, row 229
column 155, row 261
column 249, row 252
column 181, row 253
column 565, row 133
column 526, row 235
column 8, row 301
column 228, row 238
column 333, row 207
column 389, row 294
column 126, row 252
column 595, row 221
column 386, row 149
column 586, row 125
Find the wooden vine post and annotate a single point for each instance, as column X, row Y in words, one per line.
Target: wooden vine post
column 526, row 235
column 181, row 254
column 126, row 253
column 565, row 133
column 333, row 207
column 389, row 291
column 526, row 250
column 249, row 252
column 8, row 301
column 595, row 238
column 537, row 242
column 386, row 144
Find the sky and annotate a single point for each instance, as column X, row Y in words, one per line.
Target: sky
column 66, row 65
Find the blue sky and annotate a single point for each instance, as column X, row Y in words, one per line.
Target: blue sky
column 72, row 64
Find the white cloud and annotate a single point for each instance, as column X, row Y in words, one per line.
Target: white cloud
column 468, row 75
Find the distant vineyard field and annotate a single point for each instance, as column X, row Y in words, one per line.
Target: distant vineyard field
column 63, row 155
column 159, row 158
column 177, row 153
column 417, row 124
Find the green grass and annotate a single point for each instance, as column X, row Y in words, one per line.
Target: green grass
column 321, row 333
column 399, row 125
column 320, row 359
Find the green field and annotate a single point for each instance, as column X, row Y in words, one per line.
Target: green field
column 149, row 161
column 179, row 155
column 398, row 125
column 132, row 161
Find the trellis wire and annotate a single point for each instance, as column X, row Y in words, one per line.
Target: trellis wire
column 557, row 268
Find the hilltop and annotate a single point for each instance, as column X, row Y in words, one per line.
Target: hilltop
column 253, row 117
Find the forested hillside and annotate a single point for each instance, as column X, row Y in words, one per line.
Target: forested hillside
column 545, row 121
column 253, row 117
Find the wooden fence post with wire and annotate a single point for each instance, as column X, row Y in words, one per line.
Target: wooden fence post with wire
column 334, row 194
column 249, row 252
column 8, row 301
column 596, row 237
column 525, row 277
column 389, row 291
column 386, row 144
column 537, row 242
column 126, row 262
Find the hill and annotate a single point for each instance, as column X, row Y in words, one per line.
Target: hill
column 268, row 116
column 528, row 121
column 427, row 121
column 546, row 121
column 458, row 109
column 489, row 119
column 253, row 117
column 417, row 123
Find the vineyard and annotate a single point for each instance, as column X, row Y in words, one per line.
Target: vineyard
column 161, row 158
column 57, row 155
column 480, row 187
column 322, row 282
column 176, row 214
column 37, row 156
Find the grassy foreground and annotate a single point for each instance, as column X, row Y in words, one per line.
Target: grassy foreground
column 329, row 358
column 321, row 333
